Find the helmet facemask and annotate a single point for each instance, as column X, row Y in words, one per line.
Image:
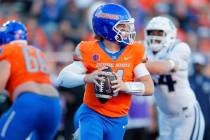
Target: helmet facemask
column 156, row 39
column 125, row 31
column 160, row 32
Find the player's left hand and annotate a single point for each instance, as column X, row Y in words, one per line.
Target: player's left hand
column 118, row 85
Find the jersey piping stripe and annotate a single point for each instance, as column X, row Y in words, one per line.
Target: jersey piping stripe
column 195, row 121
column 200, row 134
column 195, row 133
column 199, row 120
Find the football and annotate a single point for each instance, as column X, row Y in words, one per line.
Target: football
column 104, row 92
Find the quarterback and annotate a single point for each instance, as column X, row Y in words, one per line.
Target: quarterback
column 180, row 117
column 114, row 47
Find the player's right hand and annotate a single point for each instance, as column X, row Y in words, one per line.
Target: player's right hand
column 118, row 84
column 96, row 76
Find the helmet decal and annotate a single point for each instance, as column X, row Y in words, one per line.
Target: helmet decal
column 107, row 16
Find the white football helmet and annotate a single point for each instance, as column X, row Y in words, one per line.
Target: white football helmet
column 157, row 42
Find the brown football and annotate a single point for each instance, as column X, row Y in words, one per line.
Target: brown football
column 104, row 92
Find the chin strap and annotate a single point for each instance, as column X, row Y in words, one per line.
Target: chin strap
column 122, row 45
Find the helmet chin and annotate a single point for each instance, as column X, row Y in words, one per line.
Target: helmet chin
column 122, row 44
column 155, row 47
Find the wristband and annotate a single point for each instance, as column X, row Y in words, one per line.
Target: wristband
column 134, row 88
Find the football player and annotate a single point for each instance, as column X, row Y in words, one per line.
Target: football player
column 24, row 74
column 114, row 47
column 180, row 117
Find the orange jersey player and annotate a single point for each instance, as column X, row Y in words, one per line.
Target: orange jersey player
column 30, row 64
column 115, row 47
column 25, row 75
column 93, row 57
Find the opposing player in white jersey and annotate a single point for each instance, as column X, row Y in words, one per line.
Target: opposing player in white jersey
column 180, row 117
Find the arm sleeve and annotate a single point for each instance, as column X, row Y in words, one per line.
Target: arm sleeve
column 140, row 70
column 181, row 55
column 4, row 52
column 72, row 75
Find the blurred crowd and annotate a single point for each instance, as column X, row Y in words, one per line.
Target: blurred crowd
column 57, row 26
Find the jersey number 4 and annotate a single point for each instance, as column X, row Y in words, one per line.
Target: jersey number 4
column 34, row 61
column 168, row 81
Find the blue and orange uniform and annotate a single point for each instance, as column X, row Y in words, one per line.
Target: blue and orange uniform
column 30, row 112
column 28, row 64
column 114, row 112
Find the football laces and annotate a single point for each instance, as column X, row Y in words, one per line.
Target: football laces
column 101, row 86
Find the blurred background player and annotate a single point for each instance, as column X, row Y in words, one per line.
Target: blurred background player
column 24, row 74
column 200, row 83
column 180, row 116
column 115, row 47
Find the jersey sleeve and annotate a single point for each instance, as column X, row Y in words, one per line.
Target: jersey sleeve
column 140, row 55
column 181, row 54
column 4, row 53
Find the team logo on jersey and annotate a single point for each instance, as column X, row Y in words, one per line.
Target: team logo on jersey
column 95, row 57
column 127, row 58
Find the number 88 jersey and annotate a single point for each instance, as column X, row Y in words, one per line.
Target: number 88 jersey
column 173, row 88
column 27, row 64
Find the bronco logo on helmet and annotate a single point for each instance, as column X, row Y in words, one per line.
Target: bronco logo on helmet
column 108, row 16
